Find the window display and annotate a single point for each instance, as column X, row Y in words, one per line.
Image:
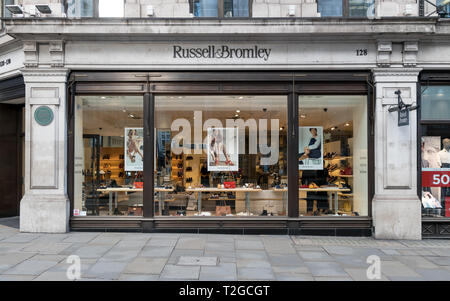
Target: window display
column 435, row 151
column 108, row 156
column 332, row 157
column 221, row 155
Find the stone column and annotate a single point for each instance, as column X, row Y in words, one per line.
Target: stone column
column 396, row 209
column 45, row 205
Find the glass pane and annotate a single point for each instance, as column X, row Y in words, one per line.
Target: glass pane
column 435, row 146
column 362, row 8
column 446, row 8
column 236, row 8
column 6, row 12
column 80, row 8
column 329, row 8
column 333, row 155
column 111, row 8
column 205, row 8
column 108, row 155
column 436, row 103
column 221, row 155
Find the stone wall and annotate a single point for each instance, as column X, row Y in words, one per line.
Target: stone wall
column 260, row 9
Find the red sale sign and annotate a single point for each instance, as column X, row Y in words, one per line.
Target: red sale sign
column 435, row 177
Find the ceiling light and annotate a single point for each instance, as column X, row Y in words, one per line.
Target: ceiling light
column 241, row 97
column 347, row 124
column 15, row 9
column 236, row 115
column 302, row 116
column 238, row 111
column 332, row 128
column 131, row 115
column 44, row 9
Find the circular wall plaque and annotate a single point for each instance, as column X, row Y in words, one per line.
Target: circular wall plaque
column 43, row 115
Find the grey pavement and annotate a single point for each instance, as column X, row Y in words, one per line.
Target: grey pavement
column 215, row 257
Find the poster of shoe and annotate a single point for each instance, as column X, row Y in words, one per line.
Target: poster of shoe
column 223, row 149
column 134, row 149
column 310, row 148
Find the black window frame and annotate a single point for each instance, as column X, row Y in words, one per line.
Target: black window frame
column 221, row 10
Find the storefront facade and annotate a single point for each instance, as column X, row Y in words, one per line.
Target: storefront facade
column 288, row 130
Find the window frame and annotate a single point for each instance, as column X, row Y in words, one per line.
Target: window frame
column 345, row 10
column 221, row 10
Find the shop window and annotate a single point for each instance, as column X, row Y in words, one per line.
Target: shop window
column 108, row 156
column 220, row 8
column 221, row 155
column 346, row 8
column 435, row 150
column 80, row 8
column 5, row 12
column 332, row 159
column 436, row 103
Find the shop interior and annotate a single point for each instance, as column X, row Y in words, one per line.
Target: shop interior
column 218, row 156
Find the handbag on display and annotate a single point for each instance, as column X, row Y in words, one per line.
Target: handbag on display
column 229, row 184
column 223, row 210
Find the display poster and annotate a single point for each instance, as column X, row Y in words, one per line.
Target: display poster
column 223, row 150
column 435, row 171
column 134, row 149
column 310, row 148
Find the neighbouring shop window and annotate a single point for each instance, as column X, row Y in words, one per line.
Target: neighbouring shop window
column 221, row 155
column 109, row 154
column 445, row 9
column 332, row 159
column 435, row 149
column 220, row 8
column 346, row 8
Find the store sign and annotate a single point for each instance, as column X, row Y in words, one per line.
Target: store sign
column 435, row 177
column 221, row 52
column 403, row 117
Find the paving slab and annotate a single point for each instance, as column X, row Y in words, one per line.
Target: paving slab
column 46, row 247
column 180, row 272
column 153, row 251
column 121, row 254
column 219, row 246
column 176, row 253
column 249, row 245
column 361, row 275
column 314, row 256
column 252, row 274
column 91, row 251
column 439, row 260
column 252, row 263
column 22, row 237
column 222, row 272
column 16, row 277
column 53, row 276
column 251, row 254
column 198, row 260
column 434, row 274
column 416, row 262
column 396, row 268
column 325, row 269
column 326, row 278
column 191, row 243
column 291, row 269
column 11, row 247
column 105, row 240
column 146, row 265
column 161, row 242
column 106, row 270
column 137, row 277
column 293, row 277
column 285, row 259
column 81, row 237
column 30, row 267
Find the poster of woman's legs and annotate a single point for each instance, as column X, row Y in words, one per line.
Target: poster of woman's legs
column 134, row 149
column 222, row 149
